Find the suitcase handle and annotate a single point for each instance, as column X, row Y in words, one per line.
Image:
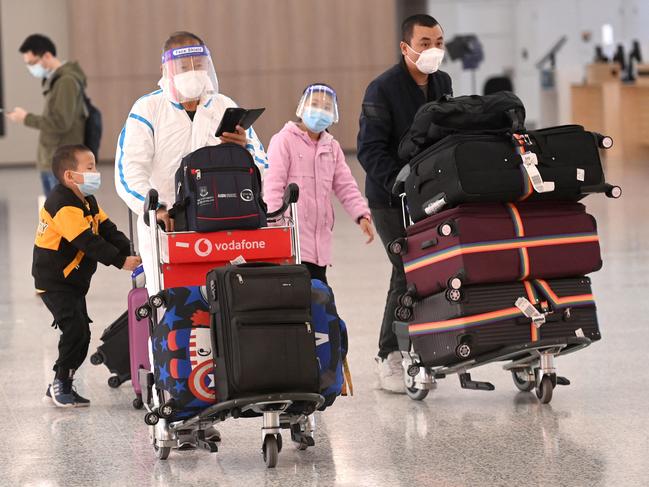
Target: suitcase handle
column 610, row 190
column 428, row 244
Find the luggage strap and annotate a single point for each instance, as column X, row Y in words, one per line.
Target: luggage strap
column 498, row 246
column 519, row 231
column 532, row 179
column 348, row 386
column 531, row 288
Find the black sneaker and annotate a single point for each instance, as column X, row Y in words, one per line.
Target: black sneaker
column 61, row 394
column 47, row 398
column 79, row 400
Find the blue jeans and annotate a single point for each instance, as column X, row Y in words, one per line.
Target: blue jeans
column 49, row 181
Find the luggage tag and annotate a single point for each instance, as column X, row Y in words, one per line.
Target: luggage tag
column 530, row 161
column 238, row 261
column 530, row 311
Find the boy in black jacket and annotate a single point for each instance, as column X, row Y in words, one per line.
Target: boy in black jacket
column 389, row 106
column 73, row 235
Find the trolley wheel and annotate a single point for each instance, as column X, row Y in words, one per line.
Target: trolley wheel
column 416, row 394
column 270, row 451
column 156, row 301
column 143, row 312
column 114, row 382
column 544, row 390
column 97, row 358
column 162, row 452
column 302, row 445
column 151, row 419
column 138, row 403
column 521, row 383
column 280, row 443
column 402, row 313
column 398, row 246
column 406, row 300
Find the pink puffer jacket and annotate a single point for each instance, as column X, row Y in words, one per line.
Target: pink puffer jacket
column 319, row 168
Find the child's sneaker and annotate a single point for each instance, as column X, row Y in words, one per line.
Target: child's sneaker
column 47, row 398
column 61, row 392
column 79, row 400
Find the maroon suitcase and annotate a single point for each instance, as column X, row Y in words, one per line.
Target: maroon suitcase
column 450, row 327
column 499, row 242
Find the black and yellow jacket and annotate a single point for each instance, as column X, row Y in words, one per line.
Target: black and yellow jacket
column 71, row 238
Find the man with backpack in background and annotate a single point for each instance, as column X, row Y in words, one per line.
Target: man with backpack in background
column 63, row 121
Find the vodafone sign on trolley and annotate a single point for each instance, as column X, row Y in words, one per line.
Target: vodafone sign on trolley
column 188, row 256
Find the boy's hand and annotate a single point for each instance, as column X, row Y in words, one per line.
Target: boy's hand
column 131, row 263
column 366, row 228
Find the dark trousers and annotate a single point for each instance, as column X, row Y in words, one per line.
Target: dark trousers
column 316, row 271
column 71, row 318
column 389, row 226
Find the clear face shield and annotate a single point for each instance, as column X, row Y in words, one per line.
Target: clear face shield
column 318, row 107
column 188, row 73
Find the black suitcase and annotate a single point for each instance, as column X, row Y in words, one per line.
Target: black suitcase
column 218, row 188
column 261, row 328
column 489, row 168
column 459, row 325
column 113, row 352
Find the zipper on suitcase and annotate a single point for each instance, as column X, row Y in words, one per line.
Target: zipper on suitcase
column 198, row 172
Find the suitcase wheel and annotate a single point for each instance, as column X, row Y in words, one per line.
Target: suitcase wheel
column 453, row 295
column 455, row 283
column 398, row 246
column 402, row 313
column 605, row 142
column 614, row 192
column 156, row 301
column 446, row 229
column 463, row 350
column 407, row 300
column 151, row 419
column 167, row 409
column 138, row 403
column 143, row 312
column 97, row 358
column 114, row 382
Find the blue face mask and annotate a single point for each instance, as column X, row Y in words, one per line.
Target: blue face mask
column 91, row 182
column 317, row 120
column 37, row 70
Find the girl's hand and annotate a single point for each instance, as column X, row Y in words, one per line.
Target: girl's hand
column 366, row 228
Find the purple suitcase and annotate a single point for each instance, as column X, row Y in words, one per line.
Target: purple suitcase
column 138, row 337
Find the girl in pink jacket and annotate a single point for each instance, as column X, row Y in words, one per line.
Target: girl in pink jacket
column 303, row 152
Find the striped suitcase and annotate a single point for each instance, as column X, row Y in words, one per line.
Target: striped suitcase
column 499, row 242
column 459, row 325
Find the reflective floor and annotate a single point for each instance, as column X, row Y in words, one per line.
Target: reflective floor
column 595, row 432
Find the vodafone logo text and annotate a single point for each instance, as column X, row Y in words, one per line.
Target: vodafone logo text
column 204, row 247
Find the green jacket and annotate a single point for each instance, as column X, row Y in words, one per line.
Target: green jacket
column 63, row 119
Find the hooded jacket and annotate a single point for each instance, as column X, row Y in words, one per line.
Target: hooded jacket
column 64, row 116
column 320, row 170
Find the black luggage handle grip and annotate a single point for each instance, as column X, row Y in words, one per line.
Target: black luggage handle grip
column 610, row 190
column 151, row 203
column 291, row 195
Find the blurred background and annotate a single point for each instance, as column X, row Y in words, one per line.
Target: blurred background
column 265, row 52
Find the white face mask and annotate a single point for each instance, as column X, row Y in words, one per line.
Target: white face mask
column 192, row 84
column 429, row 60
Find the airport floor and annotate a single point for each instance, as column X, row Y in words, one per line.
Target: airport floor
column 594, row 432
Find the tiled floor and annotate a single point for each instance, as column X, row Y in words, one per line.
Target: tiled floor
column 595, row 432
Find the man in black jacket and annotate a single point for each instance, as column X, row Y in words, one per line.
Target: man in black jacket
column 389, row 107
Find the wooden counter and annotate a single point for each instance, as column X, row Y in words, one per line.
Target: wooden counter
column 618, row 110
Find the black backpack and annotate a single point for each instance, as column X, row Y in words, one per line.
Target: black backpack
column 93, row 127
column 498, row 113
column 218, row 188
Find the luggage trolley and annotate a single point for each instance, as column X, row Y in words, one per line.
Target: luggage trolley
column 183, row 259
column 531, row 364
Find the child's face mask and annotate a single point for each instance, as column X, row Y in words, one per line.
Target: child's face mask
column 91, row 182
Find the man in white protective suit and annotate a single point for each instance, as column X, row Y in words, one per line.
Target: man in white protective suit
column 166, row 125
